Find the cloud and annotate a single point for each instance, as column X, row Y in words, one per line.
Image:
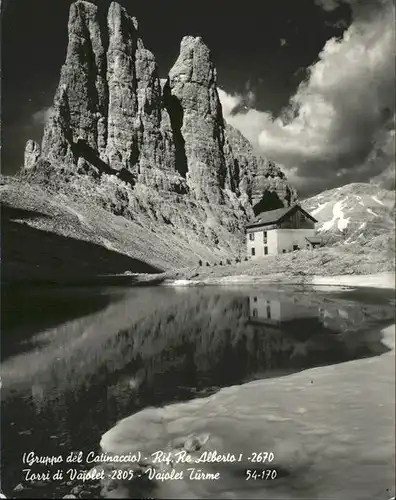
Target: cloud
column 249, row 121
column 229, row 102
column 41, row 116
column 336, row 121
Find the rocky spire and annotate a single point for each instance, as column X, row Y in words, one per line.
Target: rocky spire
column 123, row 123
column 139, row 130
column 83, row 77
column 193, row 84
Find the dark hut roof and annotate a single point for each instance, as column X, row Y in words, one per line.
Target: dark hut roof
column 274, row 216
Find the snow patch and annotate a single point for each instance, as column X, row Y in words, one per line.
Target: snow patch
column 377, row 200
column 362, row 226
column 338, row 217
column 371, row 212
column 181, row 283
column 377, row 280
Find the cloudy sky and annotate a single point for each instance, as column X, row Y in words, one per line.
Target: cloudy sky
column 309, row 82
column 338, row 126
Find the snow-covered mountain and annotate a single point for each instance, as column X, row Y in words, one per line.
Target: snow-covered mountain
column 352, row 213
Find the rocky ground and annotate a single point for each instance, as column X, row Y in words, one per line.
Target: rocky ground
column 374, row 257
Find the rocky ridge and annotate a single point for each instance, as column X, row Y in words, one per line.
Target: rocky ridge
column 141, row 139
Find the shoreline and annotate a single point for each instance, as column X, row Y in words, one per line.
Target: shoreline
column 385, row 280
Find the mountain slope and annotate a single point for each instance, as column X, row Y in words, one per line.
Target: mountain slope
column 36, row 219
column 355, row 213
